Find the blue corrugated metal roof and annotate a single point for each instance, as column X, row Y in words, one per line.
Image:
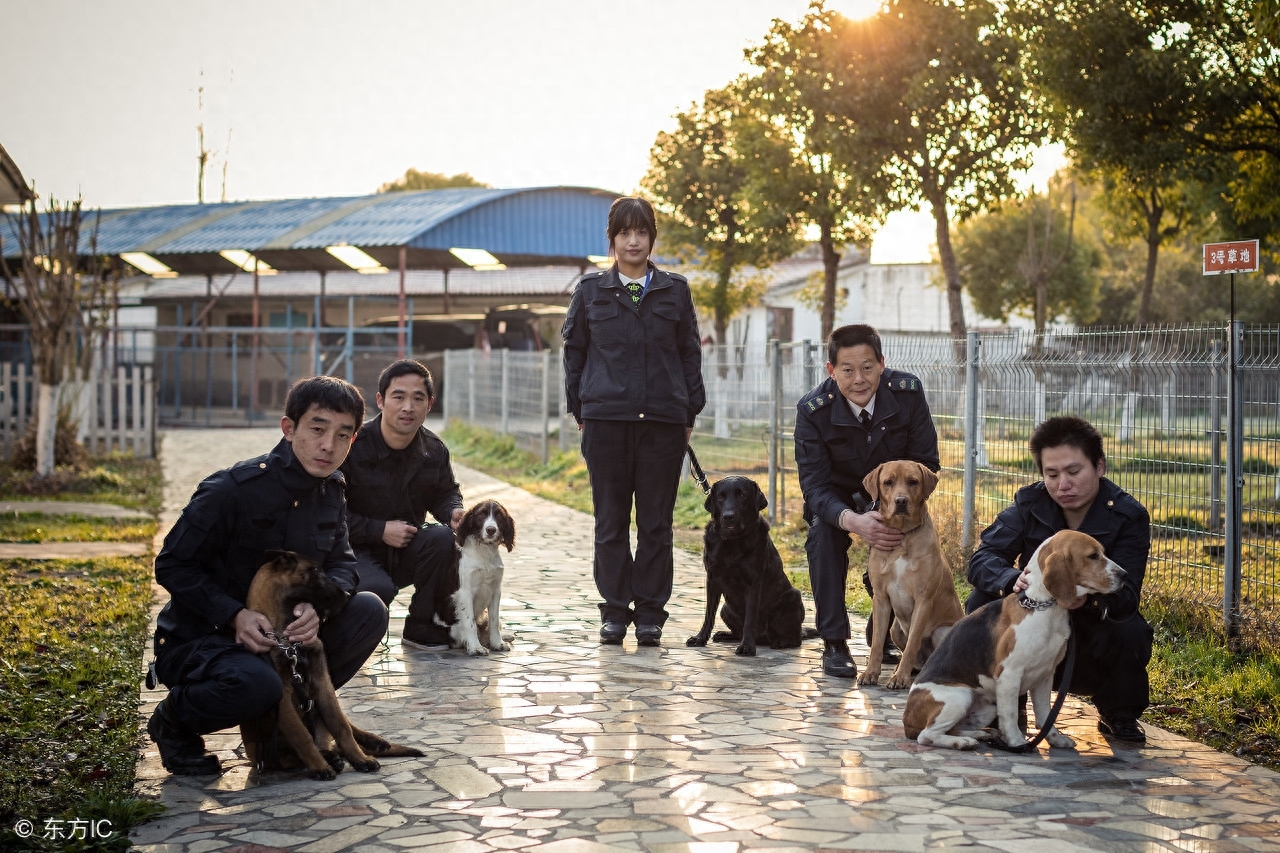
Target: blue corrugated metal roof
column 557, row 223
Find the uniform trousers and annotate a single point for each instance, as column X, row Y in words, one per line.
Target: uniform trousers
column 426, row 563
column 640, row 462
column 1111, row 661
column 827, row 549
column 216, row 683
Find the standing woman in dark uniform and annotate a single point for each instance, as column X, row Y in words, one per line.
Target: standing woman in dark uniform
column 633, row 382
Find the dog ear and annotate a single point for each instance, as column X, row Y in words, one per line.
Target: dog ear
column 871, row 483
column 1055, row 565
column 507, row 526
column 709, row 503
column 761, row 501
column 929, row 479
column 286, row 559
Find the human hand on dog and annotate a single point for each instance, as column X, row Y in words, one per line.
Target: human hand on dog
column 398, row 534
column 305, row 626
column 870, row 526
column 458, row 514
column 251, row 631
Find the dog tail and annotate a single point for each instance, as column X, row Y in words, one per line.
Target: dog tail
column 380, row 747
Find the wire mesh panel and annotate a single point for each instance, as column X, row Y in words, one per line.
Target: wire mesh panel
column 1158, row 396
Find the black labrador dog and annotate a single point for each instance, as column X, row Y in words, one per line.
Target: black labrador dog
column 744, row 568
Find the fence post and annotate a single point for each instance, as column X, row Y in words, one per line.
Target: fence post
column 775, row 398
column 148, row 410
column 471, row 385
column 970, row 439
column 546, row 405
column 1215, row 439
column 449, row 359
column 505, row 364
column 1235, row 486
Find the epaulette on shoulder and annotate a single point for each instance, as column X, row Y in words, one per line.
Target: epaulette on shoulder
column 903, row 383
column 678, row 277
column 249, row 468
column 593, row 274
column 816, row 400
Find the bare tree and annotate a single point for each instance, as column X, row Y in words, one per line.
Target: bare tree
column 54, row 296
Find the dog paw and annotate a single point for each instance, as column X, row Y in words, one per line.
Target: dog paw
column 366, row 766
column 333, row 760
column 725, row 637
column 745, row 650
column 1058, row 740
column 500, row 647
column 899, row 682
column 324, row 774
column 870, row 677
column 477, row 650
column 697, row 641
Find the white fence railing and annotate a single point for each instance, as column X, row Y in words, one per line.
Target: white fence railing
column 115, row 408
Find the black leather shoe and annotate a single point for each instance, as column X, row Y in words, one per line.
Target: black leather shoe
column 837, row 661
column 1126, row 730
column 182, row 751
column 611, row 633
column 649, row 635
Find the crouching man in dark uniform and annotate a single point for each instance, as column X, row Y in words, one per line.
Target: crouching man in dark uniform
column 861, row 416
column 208, row 646
column 1113, row 641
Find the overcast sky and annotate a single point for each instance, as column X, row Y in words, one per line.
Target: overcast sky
column 324, row 98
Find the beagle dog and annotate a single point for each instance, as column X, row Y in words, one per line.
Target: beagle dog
column 913, row 581
column 1006, row 648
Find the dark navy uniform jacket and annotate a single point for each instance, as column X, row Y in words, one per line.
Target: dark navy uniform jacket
column 385, row 484
column 628, row 361
column 235, row 516
column 834, row 451
column 1115, row 519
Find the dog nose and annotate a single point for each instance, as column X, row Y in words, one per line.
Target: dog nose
column 900, row 504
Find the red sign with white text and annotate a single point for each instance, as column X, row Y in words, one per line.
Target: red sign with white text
column 1237, row 256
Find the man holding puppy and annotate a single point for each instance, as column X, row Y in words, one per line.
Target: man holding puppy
column 1113, row 641
column 209, row 647
column 861, row 416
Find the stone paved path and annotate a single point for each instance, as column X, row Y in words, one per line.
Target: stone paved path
column 564, row 746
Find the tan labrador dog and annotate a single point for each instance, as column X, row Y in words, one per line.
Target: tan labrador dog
column 913, row 581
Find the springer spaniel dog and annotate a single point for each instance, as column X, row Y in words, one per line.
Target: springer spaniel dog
column 486, row 526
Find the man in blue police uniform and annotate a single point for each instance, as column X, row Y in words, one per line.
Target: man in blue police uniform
column 862, row 415
column 209, row 647
column 1113, row 641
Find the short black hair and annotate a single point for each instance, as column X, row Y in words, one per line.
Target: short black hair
column 1067, row 430
column 405, row 367
column 327, row 392
column 851, row 336
column 631, row 214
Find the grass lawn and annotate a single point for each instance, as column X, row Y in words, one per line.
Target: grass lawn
column 71, row 640
column 1200, row 688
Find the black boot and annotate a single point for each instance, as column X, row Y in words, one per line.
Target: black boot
column 182, row 751
column 837, row 661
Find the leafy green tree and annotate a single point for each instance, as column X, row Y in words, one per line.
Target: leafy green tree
column 415, row 180
column 1026, row 258
column 934, row 90
column 829, row 182
column 1126, row 80
column 702, row 176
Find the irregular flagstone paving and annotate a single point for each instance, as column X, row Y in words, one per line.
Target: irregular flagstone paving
column 566, row 746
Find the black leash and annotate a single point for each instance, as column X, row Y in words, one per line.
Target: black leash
column 696, row 469
column 998, row 741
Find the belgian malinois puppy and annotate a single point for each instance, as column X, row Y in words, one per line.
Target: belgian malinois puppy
column 308, row 712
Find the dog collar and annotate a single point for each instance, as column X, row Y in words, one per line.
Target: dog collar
column 1033, row 604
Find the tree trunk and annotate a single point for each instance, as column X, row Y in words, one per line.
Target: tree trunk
column 46, row 428
column 830, row 265
column 1155, row 213
column 951, row 271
